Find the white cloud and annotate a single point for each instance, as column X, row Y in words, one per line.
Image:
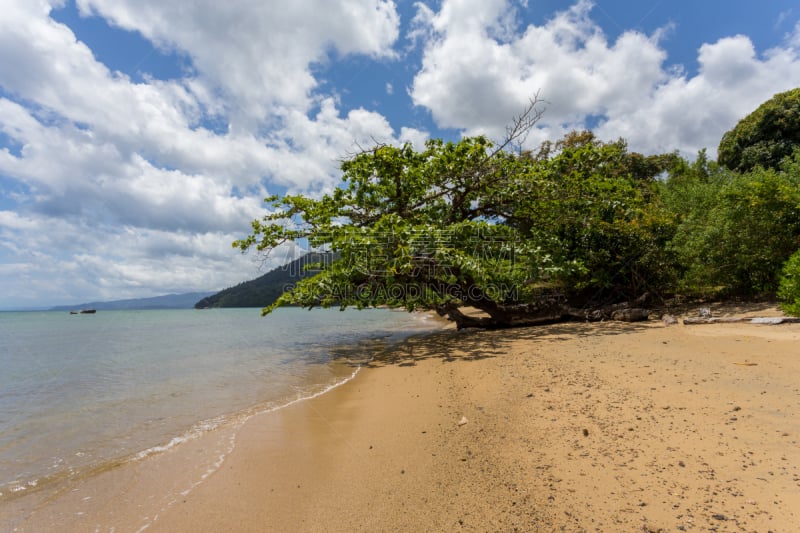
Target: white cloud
column 689, row 113
column 160, row 121
column 258, row 52
column 136, row 184
column 782, row 17
column 793, row 39
column 73, row 261
column 414, row 136
column 475, row 81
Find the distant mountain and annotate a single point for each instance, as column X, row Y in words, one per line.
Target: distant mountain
column 263, row 290
column 169, row 301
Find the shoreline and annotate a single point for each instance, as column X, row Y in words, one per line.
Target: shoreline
column 221, row 431
column 31, row 471
column 197, row 430
column 589, row 427
column 346, row 361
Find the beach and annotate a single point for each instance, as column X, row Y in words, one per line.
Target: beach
column 576, row 427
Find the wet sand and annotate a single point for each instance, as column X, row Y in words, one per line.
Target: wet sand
column 575, row 427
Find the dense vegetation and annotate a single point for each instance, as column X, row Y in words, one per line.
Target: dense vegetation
column 569, row 230
column 264, row 290
column 765, row 137
column 789, row 290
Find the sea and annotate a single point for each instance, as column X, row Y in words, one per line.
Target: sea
column 81, row 391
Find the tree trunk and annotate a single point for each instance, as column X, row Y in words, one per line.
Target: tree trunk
column 522, row 315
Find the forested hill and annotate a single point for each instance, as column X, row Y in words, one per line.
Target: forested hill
column 263, row 290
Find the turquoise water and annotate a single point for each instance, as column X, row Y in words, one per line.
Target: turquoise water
column 78, row 391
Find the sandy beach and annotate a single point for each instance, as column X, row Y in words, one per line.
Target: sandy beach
column 569, row 427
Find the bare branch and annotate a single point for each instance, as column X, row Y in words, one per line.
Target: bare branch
column 521, row 125
column 376, row 145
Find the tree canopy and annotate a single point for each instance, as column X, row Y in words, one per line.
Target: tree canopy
column 522, row 237
column 765, row 137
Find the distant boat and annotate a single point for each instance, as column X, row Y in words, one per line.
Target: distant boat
column 84, row 312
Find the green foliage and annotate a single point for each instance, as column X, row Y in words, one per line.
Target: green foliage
column 735, row 230
column 691, row 193
column 764, row 137
column 789, row 289
column 597, row 205
column 469, row 224
column 409, row 230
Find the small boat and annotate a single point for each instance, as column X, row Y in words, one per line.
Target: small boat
column 88, row 311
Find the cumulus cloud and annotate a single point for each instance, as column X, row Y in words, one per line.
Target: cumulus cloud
column 689, row 113
column 132, row 174
column 476, row 76
column 258, row 53
column 78, row 260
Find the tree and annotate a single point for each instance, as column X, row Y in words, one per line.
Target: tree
column 735, row 230
column 470, row 223
column 789, row 289
column 409, row 230
column 764, row 137
column 599, row 207
column 691, row 193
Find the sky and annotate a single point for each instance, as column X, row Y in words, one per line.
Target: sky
column 138, row 138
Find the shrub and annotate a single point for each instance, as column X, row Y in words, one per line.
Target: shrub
column 789, row 290
column 735, row 231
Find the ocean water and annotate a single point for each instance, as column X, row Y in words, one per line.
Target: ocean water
column 81, row 391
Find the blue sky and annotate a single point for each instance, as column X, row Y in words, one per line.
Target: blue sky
column 137, row 138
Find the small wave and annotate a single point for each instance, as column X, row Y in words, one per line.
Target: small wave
column 19, row 488
column 318, row 393
column 237, row 419
column 196, row 431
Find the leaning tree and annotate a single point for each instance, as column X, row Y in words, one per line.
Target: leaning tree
column 476, row 224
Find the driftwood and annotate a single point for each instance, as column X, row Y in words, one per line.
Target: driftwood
column 669, row 320
column 635, row 314
column 771, row 320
